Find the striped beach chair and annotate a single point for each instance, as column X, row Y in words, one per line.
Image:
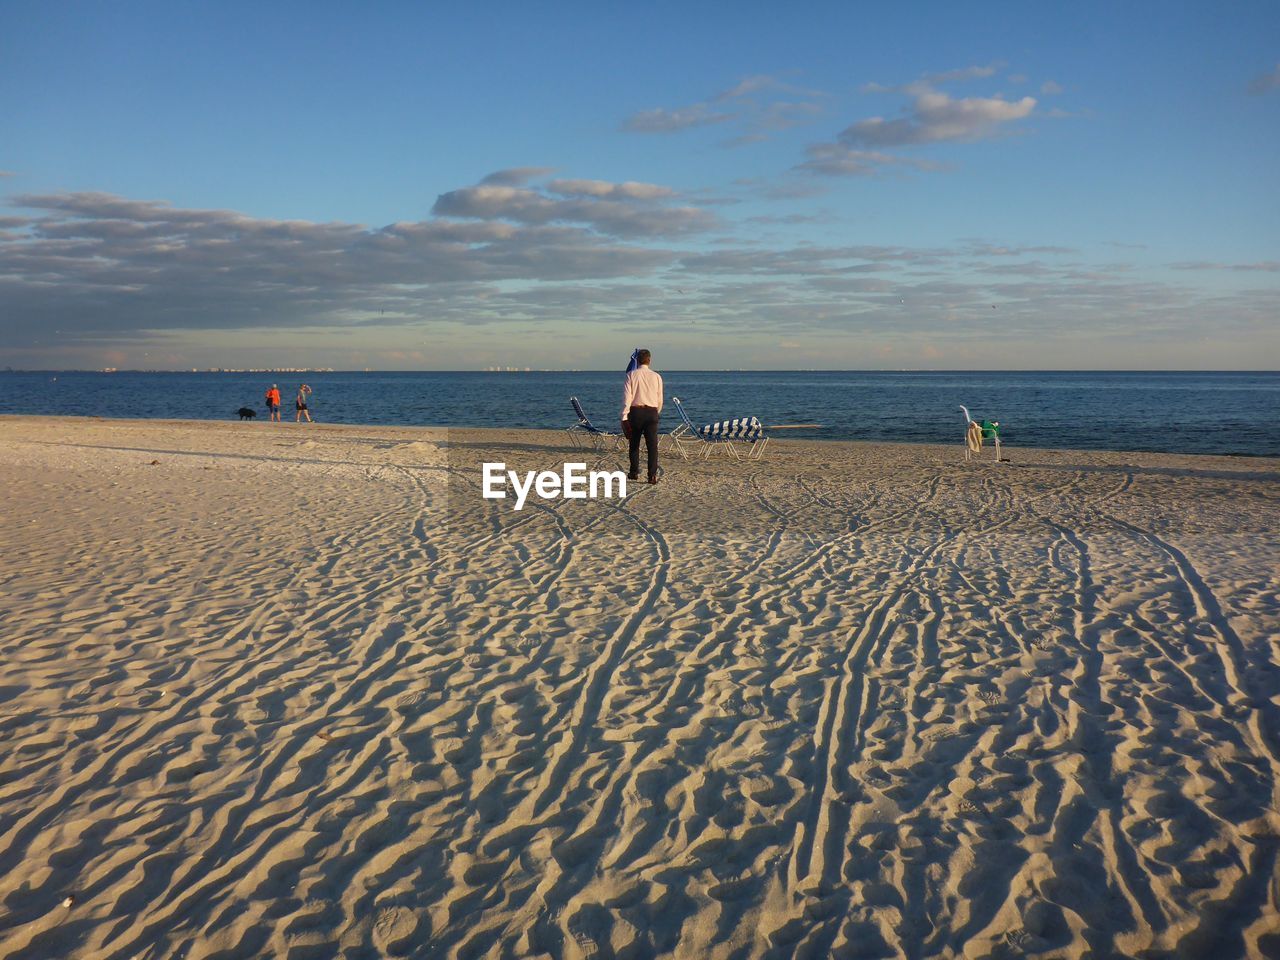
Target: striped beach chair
column 584, row 431
column 725, row 435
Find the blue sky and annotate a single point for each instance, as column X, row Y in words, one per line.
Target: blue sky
column 844, row 185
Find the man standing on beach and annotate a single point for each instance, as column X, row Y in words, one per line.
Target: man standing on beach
column 273, row 402
column 641, row 405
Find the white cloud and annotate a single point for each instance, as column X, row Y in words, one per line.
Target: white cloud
column 840, row 160
column 659, row 120
column 746, row 86
column 936, row 117
column 770, row 119
column 629, row 190
column 517, row 249
column 982, row 248
column 629, row 209
column 786, row 113
column 932, row 116
column 754, row 102
column 808, row 261
column 930, row 80
column 487, row 201
column 764, row 83
column 516, row 176
column 965, row 73
column 1050, row 88
column 103, row 267
column 1261, row 266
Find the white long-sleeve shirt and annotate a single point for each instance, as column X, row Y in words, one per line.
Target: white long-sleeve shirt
column 642, row 388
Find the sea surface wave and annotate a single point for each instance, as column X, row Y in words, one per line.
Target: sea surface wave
column 1208, row 413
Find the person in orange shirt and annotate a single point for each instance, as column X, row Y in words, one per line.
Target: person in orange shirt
column 273, row 402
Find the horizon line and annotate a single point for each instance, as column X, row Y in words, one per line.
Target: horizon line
column 511, row 370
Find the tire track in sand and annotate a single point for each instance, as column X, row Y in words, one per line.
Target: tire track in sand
column 819, row 852
column 822, row 827
column 1263, row 721
column 1085, row 731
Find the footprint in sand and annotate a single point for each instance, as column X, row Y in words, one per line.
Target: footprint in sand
column 410, row 704
column 395, row 931
column 587, row 928
column 877, row 776
column 732, row 889
column 1019, row 939
column 938, row 735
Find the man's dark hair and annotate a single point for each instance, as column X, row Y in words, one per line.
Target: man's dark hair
column 642, row 356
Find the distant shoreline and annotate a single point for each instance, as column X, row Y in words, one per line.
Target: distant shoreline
column 672, row 369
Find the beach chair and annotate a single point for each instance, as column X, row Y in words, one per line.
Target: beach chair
column 690, row 438
column 586, row 431
column 977, row 433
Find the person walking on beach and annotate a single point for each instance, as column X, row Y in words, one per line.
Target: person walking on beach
column 300, row 404
column 641, row 405
column 273, row 402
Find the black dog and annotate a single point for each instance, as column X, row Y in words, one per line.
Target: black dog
column 247, row 414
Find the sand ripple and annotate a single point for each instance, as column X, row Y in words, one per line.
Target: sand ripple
column 302, row 693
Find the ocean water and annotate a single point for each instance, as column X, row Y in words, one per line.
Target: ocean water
column 1222, row 413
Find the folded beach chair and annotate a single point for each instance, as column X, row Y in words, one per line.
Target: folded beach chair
column 723, row 435
column 585, row 430
column 976, row 433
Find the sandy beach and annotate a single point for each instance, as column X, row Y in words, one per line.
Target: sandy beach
column 271, row 690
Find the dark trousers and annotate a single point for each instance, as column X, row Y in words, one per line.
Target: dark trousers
column 644, row 421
